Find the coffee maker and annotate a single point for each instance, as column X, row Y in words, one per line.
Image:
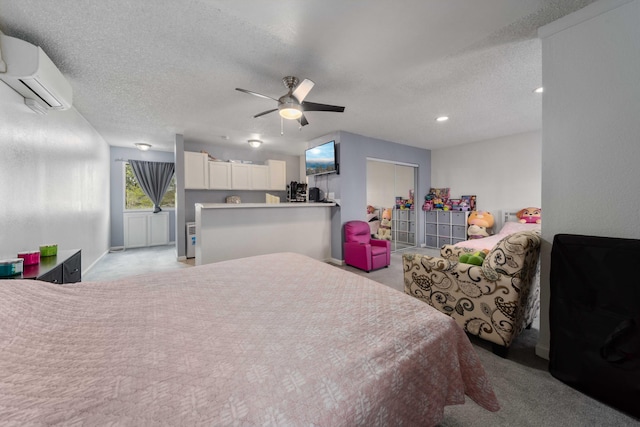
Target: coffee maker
column 296, row 192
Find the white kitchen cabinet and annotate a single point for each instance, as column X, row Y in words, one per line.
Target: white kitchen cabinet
column 196, row 171
column 259, row 177
column 202, row 174
column 219, row 176
column 277, row 174
column 241, row 176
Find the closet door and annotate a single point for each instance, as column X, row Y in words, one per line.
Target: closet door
column 387, row 183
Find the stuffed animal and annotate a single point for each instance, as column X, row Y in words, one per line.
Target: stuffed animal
column 529, row 215
column 384, row 231
column 480, row 224
column 476, row 258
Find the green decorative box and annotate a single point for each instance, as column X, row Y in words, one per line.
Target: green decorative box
column 48, row 250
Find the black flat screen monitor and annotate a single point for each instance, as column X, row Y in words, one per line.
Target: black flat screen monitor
column 321, row 159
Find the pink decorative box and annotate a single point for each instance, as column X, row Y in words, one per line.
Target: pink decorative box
column 30, row 257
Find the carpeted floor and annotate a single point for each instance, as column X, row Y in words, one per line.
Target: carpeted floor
column 528, row 394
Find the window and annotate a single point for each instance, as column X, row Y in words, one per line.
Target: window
column 134, row 197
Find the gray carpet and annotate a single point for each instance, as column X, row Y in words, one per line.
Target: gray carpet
column 528, row 394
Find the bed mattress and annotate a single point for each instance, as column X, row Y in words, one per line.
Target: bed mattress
column 276, row 339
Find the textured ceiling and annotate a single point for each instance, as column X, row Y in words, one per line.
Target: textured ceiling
column 142, row 71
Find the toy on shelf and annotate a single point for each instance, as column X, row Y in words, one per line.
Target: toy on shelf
column 439, row 198
column 402, row 203
column 463, row 206
column 480, row 224
column 530, row 215
column 470, row 201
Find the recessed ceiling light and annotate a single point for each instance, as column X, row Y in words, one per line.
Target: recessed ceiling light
column 142, row 146
column 539, row 90
column 255, row 143
column 442, row 119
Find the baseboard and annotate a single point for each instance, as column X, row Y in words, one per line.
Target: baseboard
column 182, row 258
column 542, row 351
column 335, row 261
column 116, row 249
column 88, row 269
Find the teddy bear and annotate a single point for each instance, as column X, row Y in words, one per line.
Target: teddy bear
column 384, row 231
column 529, row 216
column 480, row 224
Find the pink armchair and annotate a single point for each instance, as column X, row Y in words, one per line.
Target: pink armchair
column 363, row 252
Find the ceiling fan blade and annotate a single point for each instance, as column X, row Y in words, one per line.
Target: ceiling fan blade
column 312, row 106
column 264, row 112
column 303, row 89
column 303, row 120
column 255, row 93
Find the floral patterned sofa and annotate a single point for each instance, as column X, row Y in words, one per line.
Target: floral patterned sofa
column 494, row 301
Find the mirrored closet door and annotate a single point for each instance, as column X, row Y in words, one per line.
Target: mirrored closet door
column 390, row 196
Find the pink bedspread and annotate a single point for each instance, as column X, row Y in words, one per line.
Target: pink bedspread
column 276, row 340
column 491, row 241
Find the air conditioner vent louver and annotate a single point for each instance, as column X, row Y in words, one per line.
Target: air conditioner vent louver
column 31, row 73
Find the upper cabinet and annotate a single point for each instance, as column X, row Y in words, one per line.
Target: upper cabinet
column 241, row 176
column 219, row 176
column 203, row 174
column 259, row 177
column 277, row 174
column 196, row 171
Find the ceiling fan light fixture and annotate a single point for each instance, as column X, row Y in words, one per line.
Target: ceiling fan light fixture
column 290, row 110
column 255, row 143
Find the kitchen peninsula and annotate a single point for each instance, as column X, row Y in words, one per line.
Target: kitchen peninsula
column 228, row 231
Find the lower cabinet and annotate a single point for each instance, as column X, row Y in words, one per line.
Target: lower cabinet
column 146, row 229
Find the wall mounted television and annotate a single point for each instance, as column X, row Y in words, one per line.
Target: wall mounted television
column 321, row 159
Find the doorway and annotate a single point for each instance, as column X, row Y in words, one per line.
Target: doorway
column 390, row 200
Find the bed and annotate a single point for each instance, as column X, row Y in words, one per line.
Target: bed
column 510, row 226
column 278, row 339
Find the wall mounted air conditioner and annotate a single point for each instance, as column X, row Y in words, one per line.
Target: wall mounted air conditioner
column 31, row 73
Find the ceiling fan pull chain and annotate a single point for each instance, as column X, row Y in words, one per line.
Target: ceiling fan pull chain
column 281, row 126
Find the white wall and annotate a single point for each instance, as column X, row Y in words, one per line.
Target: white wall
column 591, row 129
column 504, row 173
column 54, row 171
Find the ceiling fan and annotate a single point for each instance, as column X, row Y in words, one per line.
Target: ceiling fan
column 292, row 105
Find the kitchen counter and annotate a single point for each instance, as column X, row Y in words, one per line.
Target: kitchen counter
column 236, row 230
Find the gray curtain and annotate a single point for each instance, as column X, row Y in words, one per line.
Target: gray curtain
column 154, row 179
